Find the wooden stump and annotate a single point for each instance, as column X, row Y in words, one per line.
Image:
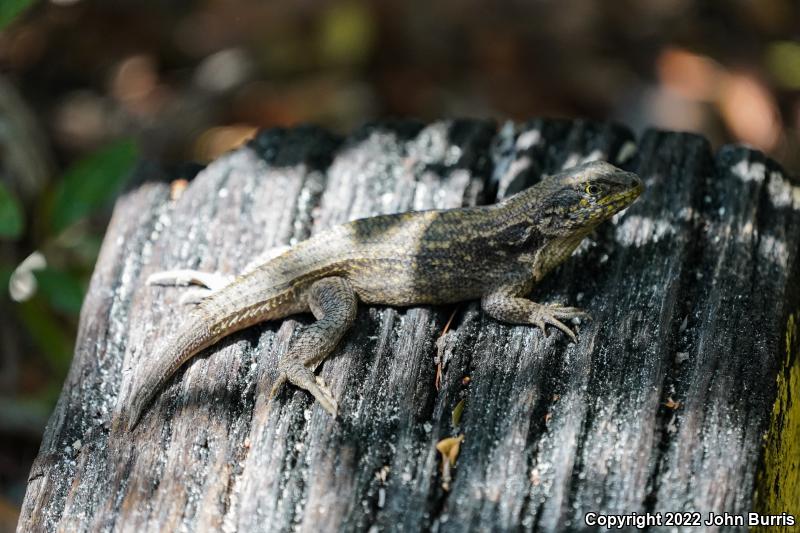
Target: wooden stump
column 680, row 395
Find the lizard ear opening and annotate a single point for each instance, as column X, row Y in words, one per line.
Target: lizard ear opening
column 523, row 235
column 555, row 215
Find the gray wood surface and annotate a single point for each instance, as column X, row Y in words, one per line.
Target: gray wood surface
column 689, row 291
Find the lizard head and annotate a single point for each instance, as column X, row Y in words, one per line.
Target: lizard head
column 579, row 198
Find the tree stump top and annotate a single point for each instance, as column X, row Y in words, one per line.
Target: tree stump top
column 664, row 404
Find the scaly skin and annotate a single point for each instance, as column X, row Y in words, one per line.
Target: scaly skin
column 493, row 253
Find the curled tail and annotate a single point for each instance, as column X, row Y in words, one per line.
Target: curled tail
column 193, row 336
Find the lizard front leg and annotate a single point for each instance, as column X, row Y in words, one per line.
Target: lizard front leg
column 507, row 305
column 333, row 303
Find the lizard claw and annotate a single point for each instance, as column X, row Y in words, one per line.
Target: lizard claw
column 560, row 325
column 194, row 296
column 561, row 311
column 316, row 387
column 324, row 396
column 276, row 387
column 553, row 314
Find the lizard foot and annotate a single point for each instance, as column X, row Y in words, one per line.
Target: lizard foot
column 184, row 277
column 207, row 283
column 194, row 296
column 553, row 314
column 302, row 377
column 324, row 396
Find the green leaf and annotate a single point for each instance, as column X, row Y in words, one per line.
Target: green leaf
column 91, row 182
column 61, row 289
column 10, row 9
column 11, row 221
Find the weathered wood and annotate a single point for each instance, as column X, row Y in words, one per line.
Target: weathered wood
column 690, row 291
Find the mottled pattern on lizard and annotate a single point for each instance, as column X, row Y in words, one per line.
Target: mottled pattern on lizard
column 493, row 253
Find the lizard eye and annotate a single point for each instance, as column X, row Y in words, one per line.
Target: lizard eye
column 592, row 189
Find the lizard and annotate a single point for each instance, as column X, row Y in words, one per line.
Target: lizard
column 494, row 253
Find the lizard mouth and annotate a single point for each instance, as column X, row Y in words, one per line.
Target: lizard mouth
column 614, row 203
column 624, row 199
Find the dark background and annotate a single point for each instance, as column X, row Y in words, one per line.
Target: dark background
column 88, row 87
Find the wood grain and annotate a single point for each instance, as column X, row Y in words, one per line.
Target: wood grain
column 662, row 405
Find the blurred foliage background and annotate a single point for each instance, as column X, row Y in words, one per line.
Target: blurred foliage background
column 89, row 87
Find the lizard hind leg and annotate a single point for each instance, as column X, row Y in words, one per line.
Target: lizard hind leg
column 207, row 283
column 204, row 283
column 333, row 303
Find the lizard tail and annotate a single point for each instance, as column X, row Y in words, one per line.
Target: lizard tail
column 244, row 302
column 192, row 337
